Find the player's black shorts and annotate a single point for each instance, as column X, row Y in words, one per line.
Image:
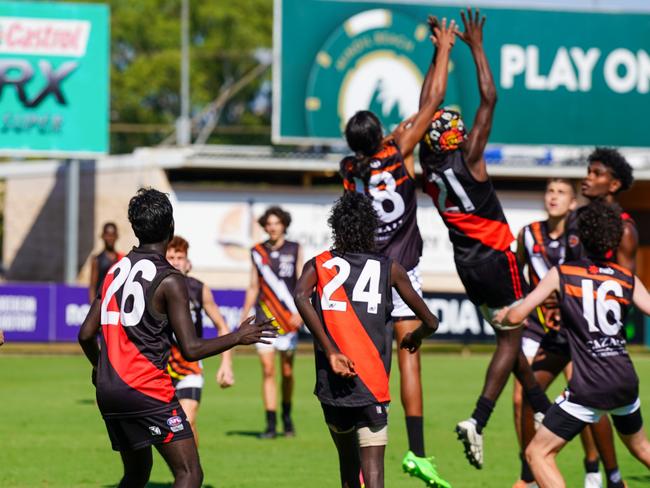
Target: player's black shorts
column 187, row 393
column 496, row 281
column 562, row 424
column 556, row 342
column 139, row 431
column 345, row 419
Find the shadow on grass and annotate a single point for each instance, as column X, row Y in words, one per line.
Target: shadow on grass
column 155, row 484
column 645, row 477
column 244, row 433
column 86, row 401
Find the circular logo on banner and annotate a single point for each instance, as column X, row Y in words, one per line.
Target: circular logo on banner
column 369, row 63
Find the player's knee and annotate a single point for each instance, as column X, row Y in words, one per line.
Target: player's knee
column 268, row 371
column 190, row 475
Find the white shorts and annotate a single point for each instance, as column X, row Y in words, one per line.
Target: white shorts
column 489, row 314
column 529, row 347
column 190, row 381
column 401, row 309
column 592, row 415
column 282, row 343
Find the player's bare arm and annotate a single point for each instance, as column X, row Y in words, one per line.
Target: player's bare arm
column 402, row 283
column 87, row 336
column 252, row 292
column 340, row 363
column 521, row 249
column 428, row 79
column 641, row 297
column 171, row 298
column 477, row 139
column 626, row 252
column 94, row 278
column 225, row 376
column 516, row 315
column 443, row 38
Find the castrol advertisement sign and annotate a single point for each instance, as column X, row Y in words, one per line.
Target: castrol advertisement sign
column 54, row 79
column 23, row 35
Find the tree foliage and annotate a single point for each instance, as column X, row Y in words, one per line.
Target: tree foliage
column 145, row 60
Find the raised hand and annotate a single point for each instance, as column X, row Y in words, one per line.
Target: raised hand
column 342, row 365
column 444, row 35
column 473, row 23
column 411, row 342
column 250, row 333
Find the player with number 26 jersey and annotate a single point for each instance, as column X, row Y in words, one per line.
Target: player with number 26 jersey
column 135, row 342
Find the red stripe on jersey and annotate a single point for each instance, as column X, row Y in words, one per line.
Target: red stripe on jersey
column 387, row 151
column 620, row 268
column 351, row 337
column 129, row 363
column 576, row 291
column 514, row 274
column 281, row 313
column 491, row 233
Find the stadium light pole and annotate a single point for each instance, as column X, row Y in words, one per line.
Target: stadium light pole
column 72, row 220
column 183, row 125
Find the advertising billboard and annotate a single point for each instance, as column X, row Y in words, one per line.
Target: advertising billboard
column 563, row 78
column 54, row 79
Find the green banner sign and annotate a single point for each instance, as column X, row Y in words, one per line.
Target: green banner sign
column 563, row 78
column 54, row 75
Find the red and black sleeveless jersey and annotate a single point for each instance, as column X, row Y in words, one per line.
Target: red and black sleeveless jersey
column 470, row 209
column 575, row 249
column 277, row 275
column 595, row 298
column 354, row 301
column 132, row 376
column 179, row 367
column 542, row 253
column 393, row 194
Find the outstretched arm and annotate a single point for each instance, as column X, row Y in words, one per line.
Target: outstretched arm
column 341, row 364
column 402, row 283
column 428, row 79
column 516, row 315
column 641, row 297
column 407, row 138
column 171, row 298
column 477, row 139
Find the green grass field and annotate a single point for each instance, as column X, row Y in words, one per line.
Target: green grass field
column 51, row 433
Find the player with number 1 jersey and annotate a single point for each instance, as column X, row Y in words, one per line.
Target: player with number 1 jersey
column 457, row 180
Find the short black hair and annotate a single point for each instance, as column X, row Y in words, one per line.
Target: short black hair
column 617, row 164
column 600, row 227
column 279, row 212
column 151, row 216
column 353, row 221
column 108, row 225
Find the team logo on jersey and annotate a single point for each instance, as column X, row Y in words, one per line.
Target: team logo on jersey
column 374, row 61
column 155, row 430
column 574, row 240
column 175, row 423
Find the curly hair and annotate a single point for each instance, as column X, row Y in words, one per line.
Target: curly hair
column 151, row 216
column 279, row 212
column 600, row 227
column 617, row 164
column 353, row 221
column 178, row 244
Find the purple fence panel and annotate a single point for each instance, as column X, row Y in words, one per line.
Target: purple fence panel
column 71, row 309
column 25, row 312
